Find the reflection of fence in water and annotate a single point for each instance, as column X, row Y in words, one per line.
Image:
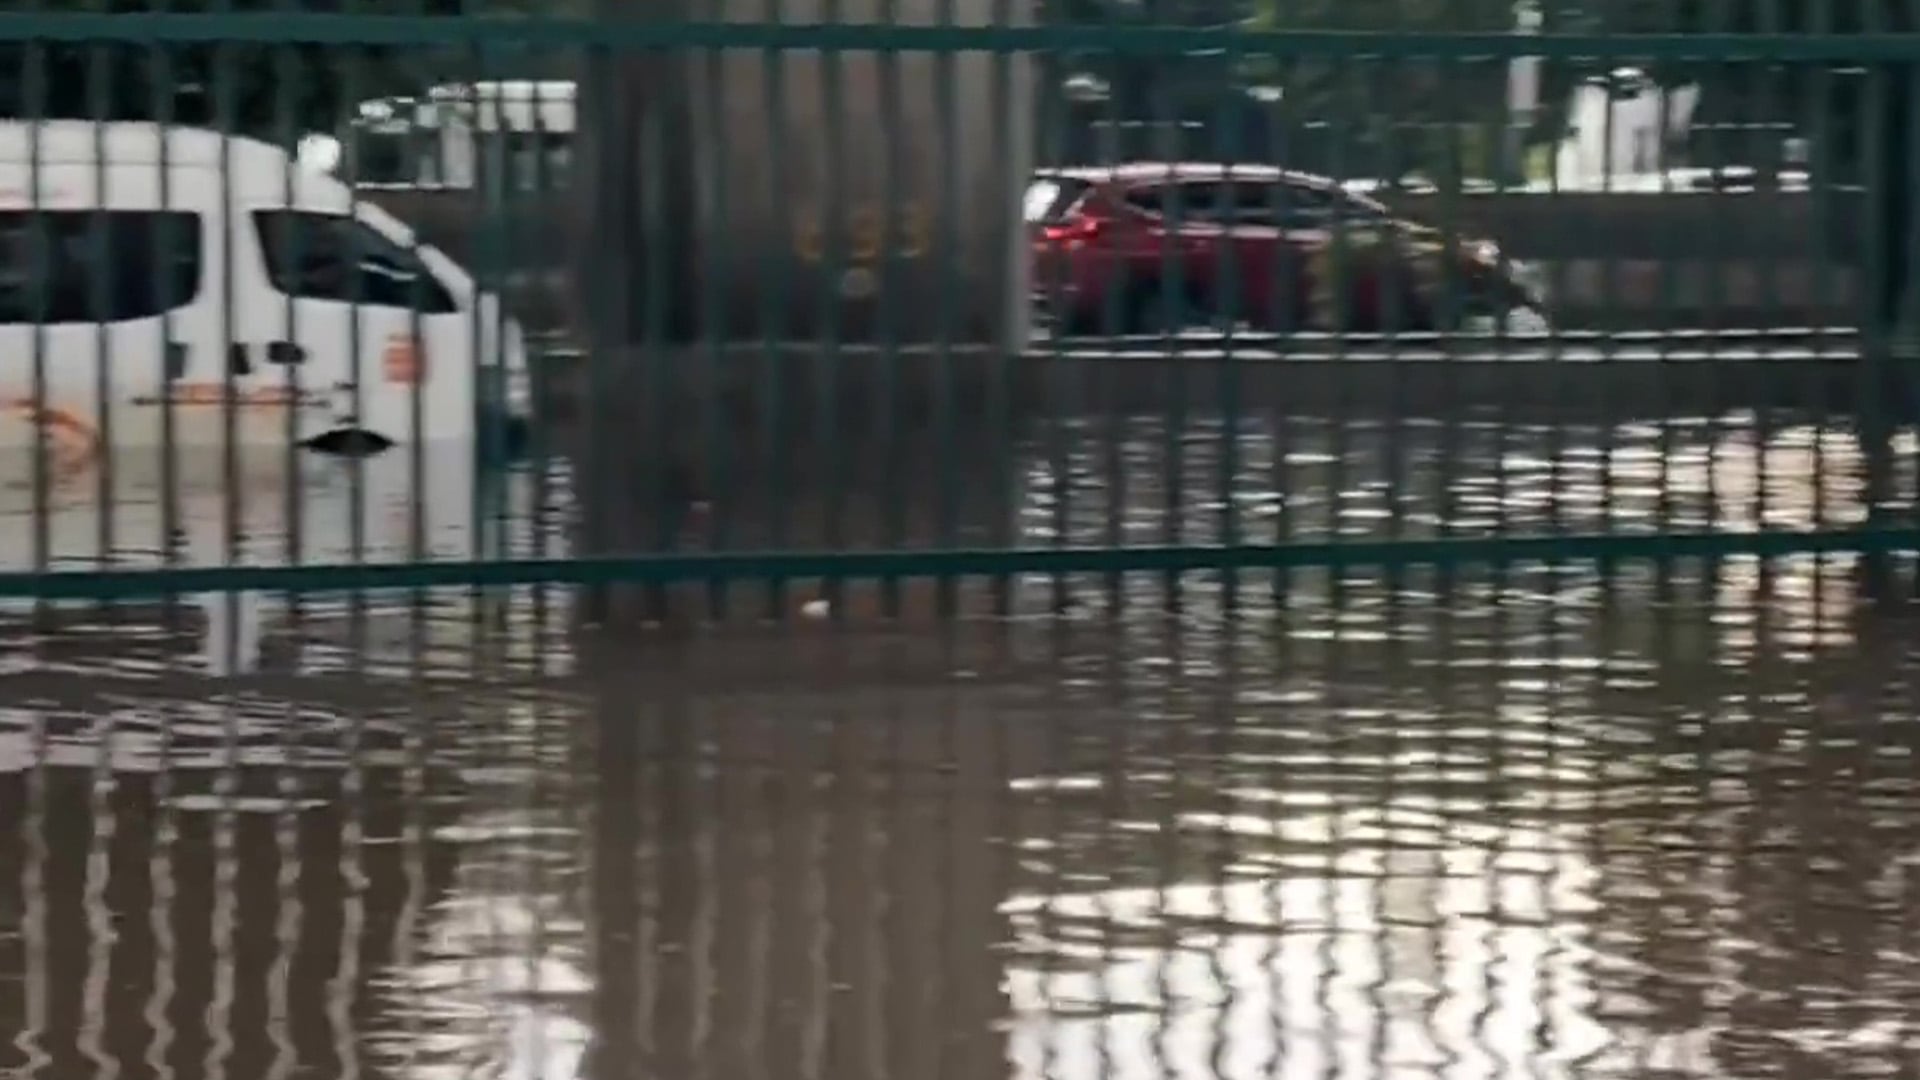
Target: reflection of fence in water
column 1452, row 818
column 1212, row 850
column 207, row 886
column 1308, row 479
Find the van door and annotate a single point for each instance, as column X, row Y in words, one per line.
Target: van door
column 106, row 287
column 115, row 287
column 348, row 311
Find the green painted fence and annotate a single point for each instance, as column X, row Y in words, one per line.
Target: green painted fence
column 801, row 283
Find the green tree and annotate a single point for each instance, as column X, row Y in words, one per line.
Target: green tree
column 1148, row 86
column 264, row 90
column 1438, row 117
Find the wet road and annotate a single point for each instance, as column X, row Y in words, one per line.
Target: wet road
column 1532, row 823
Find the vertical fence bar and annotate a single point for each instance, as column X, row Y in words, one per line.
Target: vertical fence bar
column 1880, row 300
column 1333, row 287
column 172, row 356
column 945, row 423
column 37, row 973
column 552, row 187
column 1720, row 308
column 660, row 368
column 1112, row 318
column 521, row 121
column 717, row 376
column 292, row 501
column 100, row 239
column 484, row 105
column 890, row 232
column 592, row 270
column 1394, row 263
column 1667, row 379
column 1228, row 309
column 775, row 311
column 234, row 354
column 34, row 75
column 998, row 411
column 225, row 644
column 1060, row 397
column 1774, row 101
column 1904, row 391
column 1446, row 308
column 1288, row 318
column 831, row 442
column 288, row 786
column 1896, row 392
column 1170, row 299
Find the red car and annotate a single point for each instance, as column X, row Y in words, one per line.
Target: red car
column 1155, row 247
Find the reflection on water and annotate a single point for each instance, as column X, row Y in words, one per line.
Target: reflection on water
column 1537, row 822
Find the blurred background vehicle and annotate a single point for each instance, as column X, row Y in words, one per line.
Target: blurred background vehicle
column 1153, row 247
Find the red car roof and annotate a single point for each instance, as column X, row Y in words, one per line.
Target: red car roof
column 1136, row 172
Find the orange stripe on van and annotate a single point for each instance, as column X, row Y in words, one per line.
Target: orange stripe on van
column 403, row 361
column 72, row 441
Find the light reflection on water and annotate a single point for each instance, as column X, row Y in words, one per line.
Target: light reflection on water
column 1536, row 823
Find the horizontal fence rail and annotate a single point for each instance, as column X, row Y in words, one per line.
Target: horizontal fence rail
column 299, row 28
column 935, row 563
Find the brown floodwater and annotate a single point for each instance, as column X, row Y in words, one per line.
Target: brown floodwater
column 1540, row 822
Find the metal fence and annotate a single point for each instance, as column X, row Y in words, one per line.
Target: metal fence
column 878, row 614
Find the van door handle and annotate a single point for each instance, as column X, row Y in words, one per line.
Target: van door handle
column 285, row 352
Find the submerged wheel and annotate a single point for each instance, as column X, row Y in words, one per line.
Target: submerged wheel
column 352, row 442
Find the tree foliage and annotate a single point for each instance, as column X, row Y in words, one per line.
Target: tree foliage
column 1438, row 117
column 262, row 89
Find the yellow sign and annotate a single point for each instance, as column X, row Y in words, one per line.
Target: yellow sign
column 867, row 233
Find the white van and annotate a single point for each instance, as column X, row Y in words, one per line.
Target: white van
column 152, row 277
column 180, row 258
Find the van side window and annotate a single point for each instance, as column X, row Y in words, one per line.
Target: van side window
column 318, row 256
column 96, row 266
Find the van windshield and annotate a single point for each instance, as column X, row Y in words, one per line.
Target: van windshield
column 321, row 256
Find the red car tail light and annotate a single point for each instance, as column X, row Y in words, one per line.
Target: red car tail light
column 1081, row 228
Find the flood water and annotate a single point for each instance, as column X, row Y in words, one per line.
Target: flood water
column 1539, row 822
